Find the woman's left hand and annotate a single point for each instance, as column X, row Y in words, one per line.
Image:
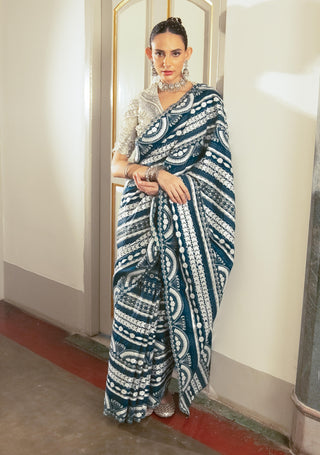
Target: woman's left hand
column 174, row 187
column 150, row 188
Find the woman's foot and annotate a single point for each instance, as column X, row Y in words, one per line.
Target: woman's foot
column 166, row 407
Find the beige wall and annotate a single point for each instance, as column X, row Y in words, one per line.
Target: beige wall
column 43, row 153
column 1, row 224
column 272, row 65
column 1, row 154
column 271, row 92
column 43, row 137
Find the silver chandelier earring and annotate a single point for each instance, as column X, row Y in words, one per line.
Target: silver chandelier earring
column 154, row 72
column 185, row 72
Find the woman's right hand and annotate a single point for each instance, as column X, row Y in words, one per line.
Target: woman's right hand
column 138, row 171
column 149, row 188
column 174, row 187
column 139, row 176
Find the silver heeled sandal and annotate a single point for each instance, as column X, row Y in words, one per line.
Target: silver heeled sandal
column 165, row 409
column 148, row 413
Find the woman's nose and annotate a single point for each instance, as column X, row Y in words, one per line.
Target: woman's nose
column 166, row 60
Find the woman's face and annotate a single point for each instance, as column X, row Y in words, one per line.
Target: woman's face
column 168, row 54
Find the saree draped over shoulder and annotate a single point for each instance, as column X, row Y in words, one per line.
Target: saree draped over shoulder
column 173, row 260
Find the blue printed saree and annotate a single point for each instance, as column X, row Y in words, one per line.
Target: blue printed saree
column 173, row 260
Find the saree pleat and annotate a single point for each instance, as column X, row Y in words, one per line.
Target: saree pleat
column 132, row 352
column 172, row 260
column 163, row 361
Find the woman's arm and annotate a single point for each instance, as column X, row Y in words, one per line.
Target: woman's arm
column 171, row 184
column 120, row 167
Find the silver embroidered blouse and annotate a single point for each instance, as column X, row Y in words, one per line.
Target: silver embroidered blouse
column 141, row 111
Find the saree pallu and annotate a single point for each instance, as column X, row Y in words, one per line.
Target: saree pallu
column 173, row 260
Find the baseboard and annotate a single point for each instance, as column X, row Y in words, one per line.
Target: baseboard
column 46, row 299
column 253, row 393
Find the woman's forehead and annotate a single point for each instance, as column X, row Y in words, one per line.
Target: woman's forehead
column 167, row 41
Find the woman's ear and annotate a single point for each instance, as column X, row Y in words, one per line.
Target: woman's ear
column 149, row 53
column 189, row 52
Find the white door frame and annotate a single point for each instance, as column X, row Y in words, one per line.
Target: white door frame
column 92, row 133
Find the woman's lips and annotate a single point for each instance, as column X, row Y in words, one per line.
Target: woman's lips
column 167, row 73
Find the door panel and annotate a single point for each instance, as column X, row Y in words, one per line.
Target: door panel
column 129, row 59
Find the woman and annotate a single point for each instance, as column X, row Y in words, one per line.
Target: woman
column 175, row 235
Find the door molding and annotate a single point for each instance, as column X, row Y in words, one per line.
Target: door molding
column 92, row 96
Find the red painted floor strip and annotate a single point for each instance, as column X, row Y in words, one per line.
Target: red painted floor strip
column 47, row 341
column 224, row 436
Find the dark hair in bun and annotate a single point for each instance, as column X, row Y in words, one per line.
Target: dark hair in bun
column 172, row 25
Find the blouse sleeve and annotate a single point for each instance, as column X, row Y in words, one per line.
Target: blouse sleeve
column 126, row 139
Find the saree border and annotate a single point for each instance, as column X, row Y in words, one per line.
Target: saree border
column 113, row 235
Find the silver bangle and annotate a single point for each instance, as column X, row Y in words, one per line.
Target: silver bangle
column 153, row 172
column 126, row 171
column 148, row 174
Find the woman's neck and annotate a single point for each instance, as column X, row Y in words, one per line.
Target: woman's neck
column 167, row 98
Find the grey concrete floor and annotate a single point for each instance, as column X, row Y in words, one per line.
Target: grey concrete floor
column 45, row 410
